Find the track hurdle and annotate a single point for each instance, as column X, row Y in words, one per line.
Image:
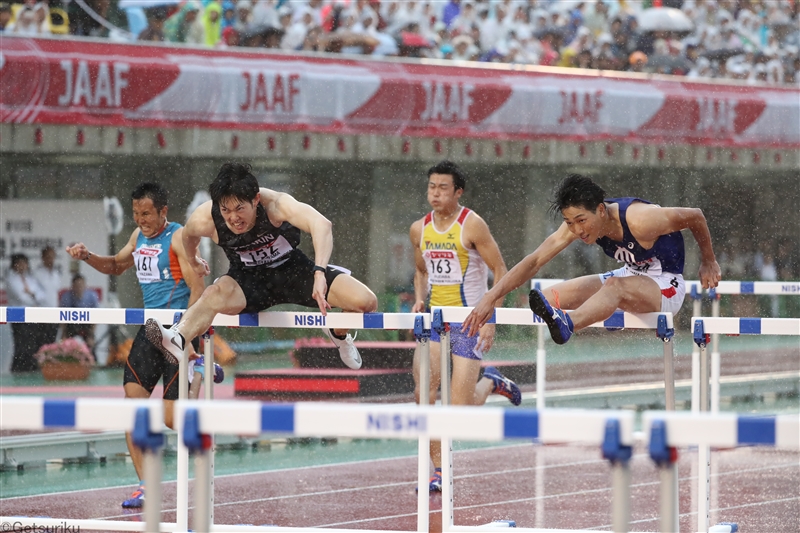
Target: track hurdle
column 143, row 417
column 757, row 288
column 444, row 316
column 618, row 320
column 613, row 430
column 71, row 315
column 122, row 316
column 702, row 328
column 667, row 431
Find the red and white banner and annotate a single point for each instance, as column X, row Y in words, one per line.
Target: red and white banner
column 52, row 81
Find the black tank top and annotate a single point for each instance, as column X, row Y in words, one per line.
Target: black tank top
column 263, row 246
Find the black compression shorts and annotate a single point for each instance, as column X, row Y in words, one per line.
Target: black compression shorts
column 146, row 365
column 290, row 283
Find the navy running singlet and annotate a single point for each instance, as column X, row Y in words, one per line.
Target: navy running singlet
column 666, row 255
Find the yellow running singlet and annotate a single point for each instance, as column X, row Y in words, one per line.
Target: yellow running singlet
column 457, row 275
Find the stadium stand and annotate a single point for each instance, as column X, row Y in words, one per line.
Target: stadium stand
column 750, row 40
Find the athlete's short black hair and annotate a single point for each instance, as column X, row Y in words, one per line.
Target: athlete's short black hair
column 577, row 191
column 154, row 191
column 234, row 180
column 448, row 167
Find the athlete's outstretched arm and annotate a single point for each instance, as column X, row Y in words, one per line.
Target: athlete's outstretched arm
column 192, row 279
column 486, row 246
column 521, row 273
column 420, row 271
column 200, row 224
column 649, row 222
column 106, row 264
column 308, row 219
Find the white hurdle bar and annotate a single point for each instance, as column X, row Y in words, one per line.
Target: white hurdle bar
column 613, row 430
column 265, row 319
column 442, row 317
column 702, row 329
column 93, row 414
column 666, row 431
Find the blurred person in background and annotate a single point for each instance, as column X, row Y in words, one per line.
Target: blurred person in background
column 156, row 16
column 596, row 19
column 230, row 38
column 637, row 62
column 24, row 291
column 49, row 278
column 5, row 15
column 178, row 27
column 78, row 296
column 33, row 18
column 264, row 13
column 296, row 32
column 83, row 24
column 211, row 21
column 244, row 15
column 229, row 10
column 460, row 23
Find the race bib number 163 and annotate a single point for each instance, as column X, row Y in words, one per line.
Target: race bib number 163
column 444, row 268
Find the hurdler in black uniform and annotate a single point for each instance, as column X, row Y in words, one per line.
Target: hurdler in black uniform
column 267, row 263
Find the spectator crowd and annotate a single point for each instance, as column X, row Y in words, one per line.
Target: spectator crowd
column 751, row 40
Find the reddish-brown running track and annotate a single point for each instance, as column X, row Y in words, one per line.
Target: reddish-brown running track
column 757, row 488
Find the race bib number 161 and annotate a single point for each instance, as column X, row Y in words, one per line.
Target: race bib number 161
column 146, row 261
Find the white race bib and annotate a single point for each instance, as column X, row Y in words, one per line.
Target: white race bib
column 146, row 261
column 444, row 268
column 649, row 267
column 268, row 255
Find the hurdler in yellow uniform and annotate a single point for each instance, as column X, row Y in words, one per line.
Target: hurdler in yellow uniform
column 454, row 252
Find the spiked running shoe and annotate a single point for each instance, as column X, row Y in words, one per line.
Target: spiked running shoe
column 136, row 500
column 503, row 386
column 170, row 343
column 200, row 366
column 558, row 322
column 347, row 350
column 435, row 484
